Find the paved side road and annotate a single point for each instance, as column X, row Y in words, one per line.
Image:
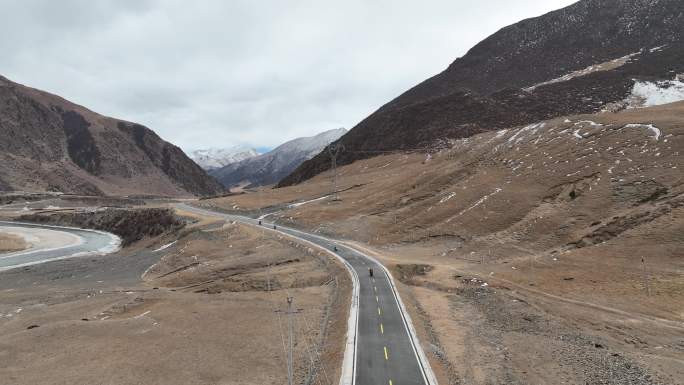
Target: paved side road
column 385, row 349
column 58, row 243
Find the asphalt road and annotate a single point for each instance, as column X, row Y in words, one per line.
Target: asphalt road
column 385, row 353
column 87, row 242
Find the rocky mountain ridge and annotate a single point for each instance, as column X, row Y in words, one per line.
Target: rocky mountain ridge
column 272, row 166
column 213, row 158
column 585, row 58
column 50, row 144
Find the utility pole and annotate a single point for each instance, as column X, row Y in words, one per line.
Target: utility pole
column 646, row 285
column 334, row 150
column 290, row 340
column 532, row 270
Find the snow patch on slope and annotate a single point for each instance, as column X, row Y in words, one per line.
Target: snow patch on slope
column 655, row 130
column 647, row 94
column 517, row 137
column 606, row 66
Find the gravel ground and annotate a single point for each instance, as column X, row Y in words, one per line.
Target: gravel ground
column 524, row 345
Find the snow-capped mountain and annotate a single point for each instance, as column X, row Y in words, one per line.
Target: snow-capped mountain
column 213, row 158
column 272, row 166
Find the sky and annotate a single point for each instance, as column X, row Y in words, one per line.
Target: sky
column 220, row 73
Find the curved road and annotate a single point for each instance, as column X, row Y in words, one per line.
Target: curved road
column 54, row 243
column 384, row 348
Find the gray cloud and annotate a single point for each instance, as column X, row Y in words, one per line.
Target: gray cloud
column 219, row 73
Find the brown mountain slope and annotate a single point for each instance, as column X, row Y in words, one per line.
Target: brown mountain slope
column 577, row 60
column 49, row 143
column 552, row 251
column 561, row 184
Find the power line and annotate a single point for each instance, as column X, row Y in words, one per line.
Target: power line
column 312, row 363
column 290, row 326
column 316, row 349
column 334, row 150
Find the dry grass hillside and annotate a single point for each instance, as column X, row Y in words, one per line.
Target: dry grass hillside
column 569, row 228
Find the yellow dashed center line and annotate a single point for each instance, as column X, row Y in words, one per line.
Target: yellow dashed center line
column 379, row 311
column 390, row 382
column 377, row 299
column 386, row 355
column 382, row 329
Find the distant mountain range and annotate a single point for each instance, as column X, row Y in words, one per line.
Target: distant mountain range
column 272, row 166
column 593, row 56
column 50, row 144
column 213, row 158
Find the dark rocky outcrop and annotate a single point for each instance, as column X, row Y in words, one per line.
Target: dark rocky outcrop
column 50, row 144
column 493, row 85
column 131, row 225
column 80, row 142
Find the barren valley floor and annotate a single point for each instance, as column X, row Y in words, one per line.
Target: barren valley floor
column 145, row 316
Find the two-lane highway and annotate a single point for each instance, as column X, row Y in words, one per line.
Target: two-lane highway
column 385, row 354
column 383, row 347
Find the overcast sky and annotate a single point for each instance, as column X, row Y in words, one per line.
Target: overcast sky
column 227, row 72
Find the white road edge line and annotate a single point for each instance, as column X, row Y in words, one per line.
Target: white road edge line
column 348, row 375
column 428, row 373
